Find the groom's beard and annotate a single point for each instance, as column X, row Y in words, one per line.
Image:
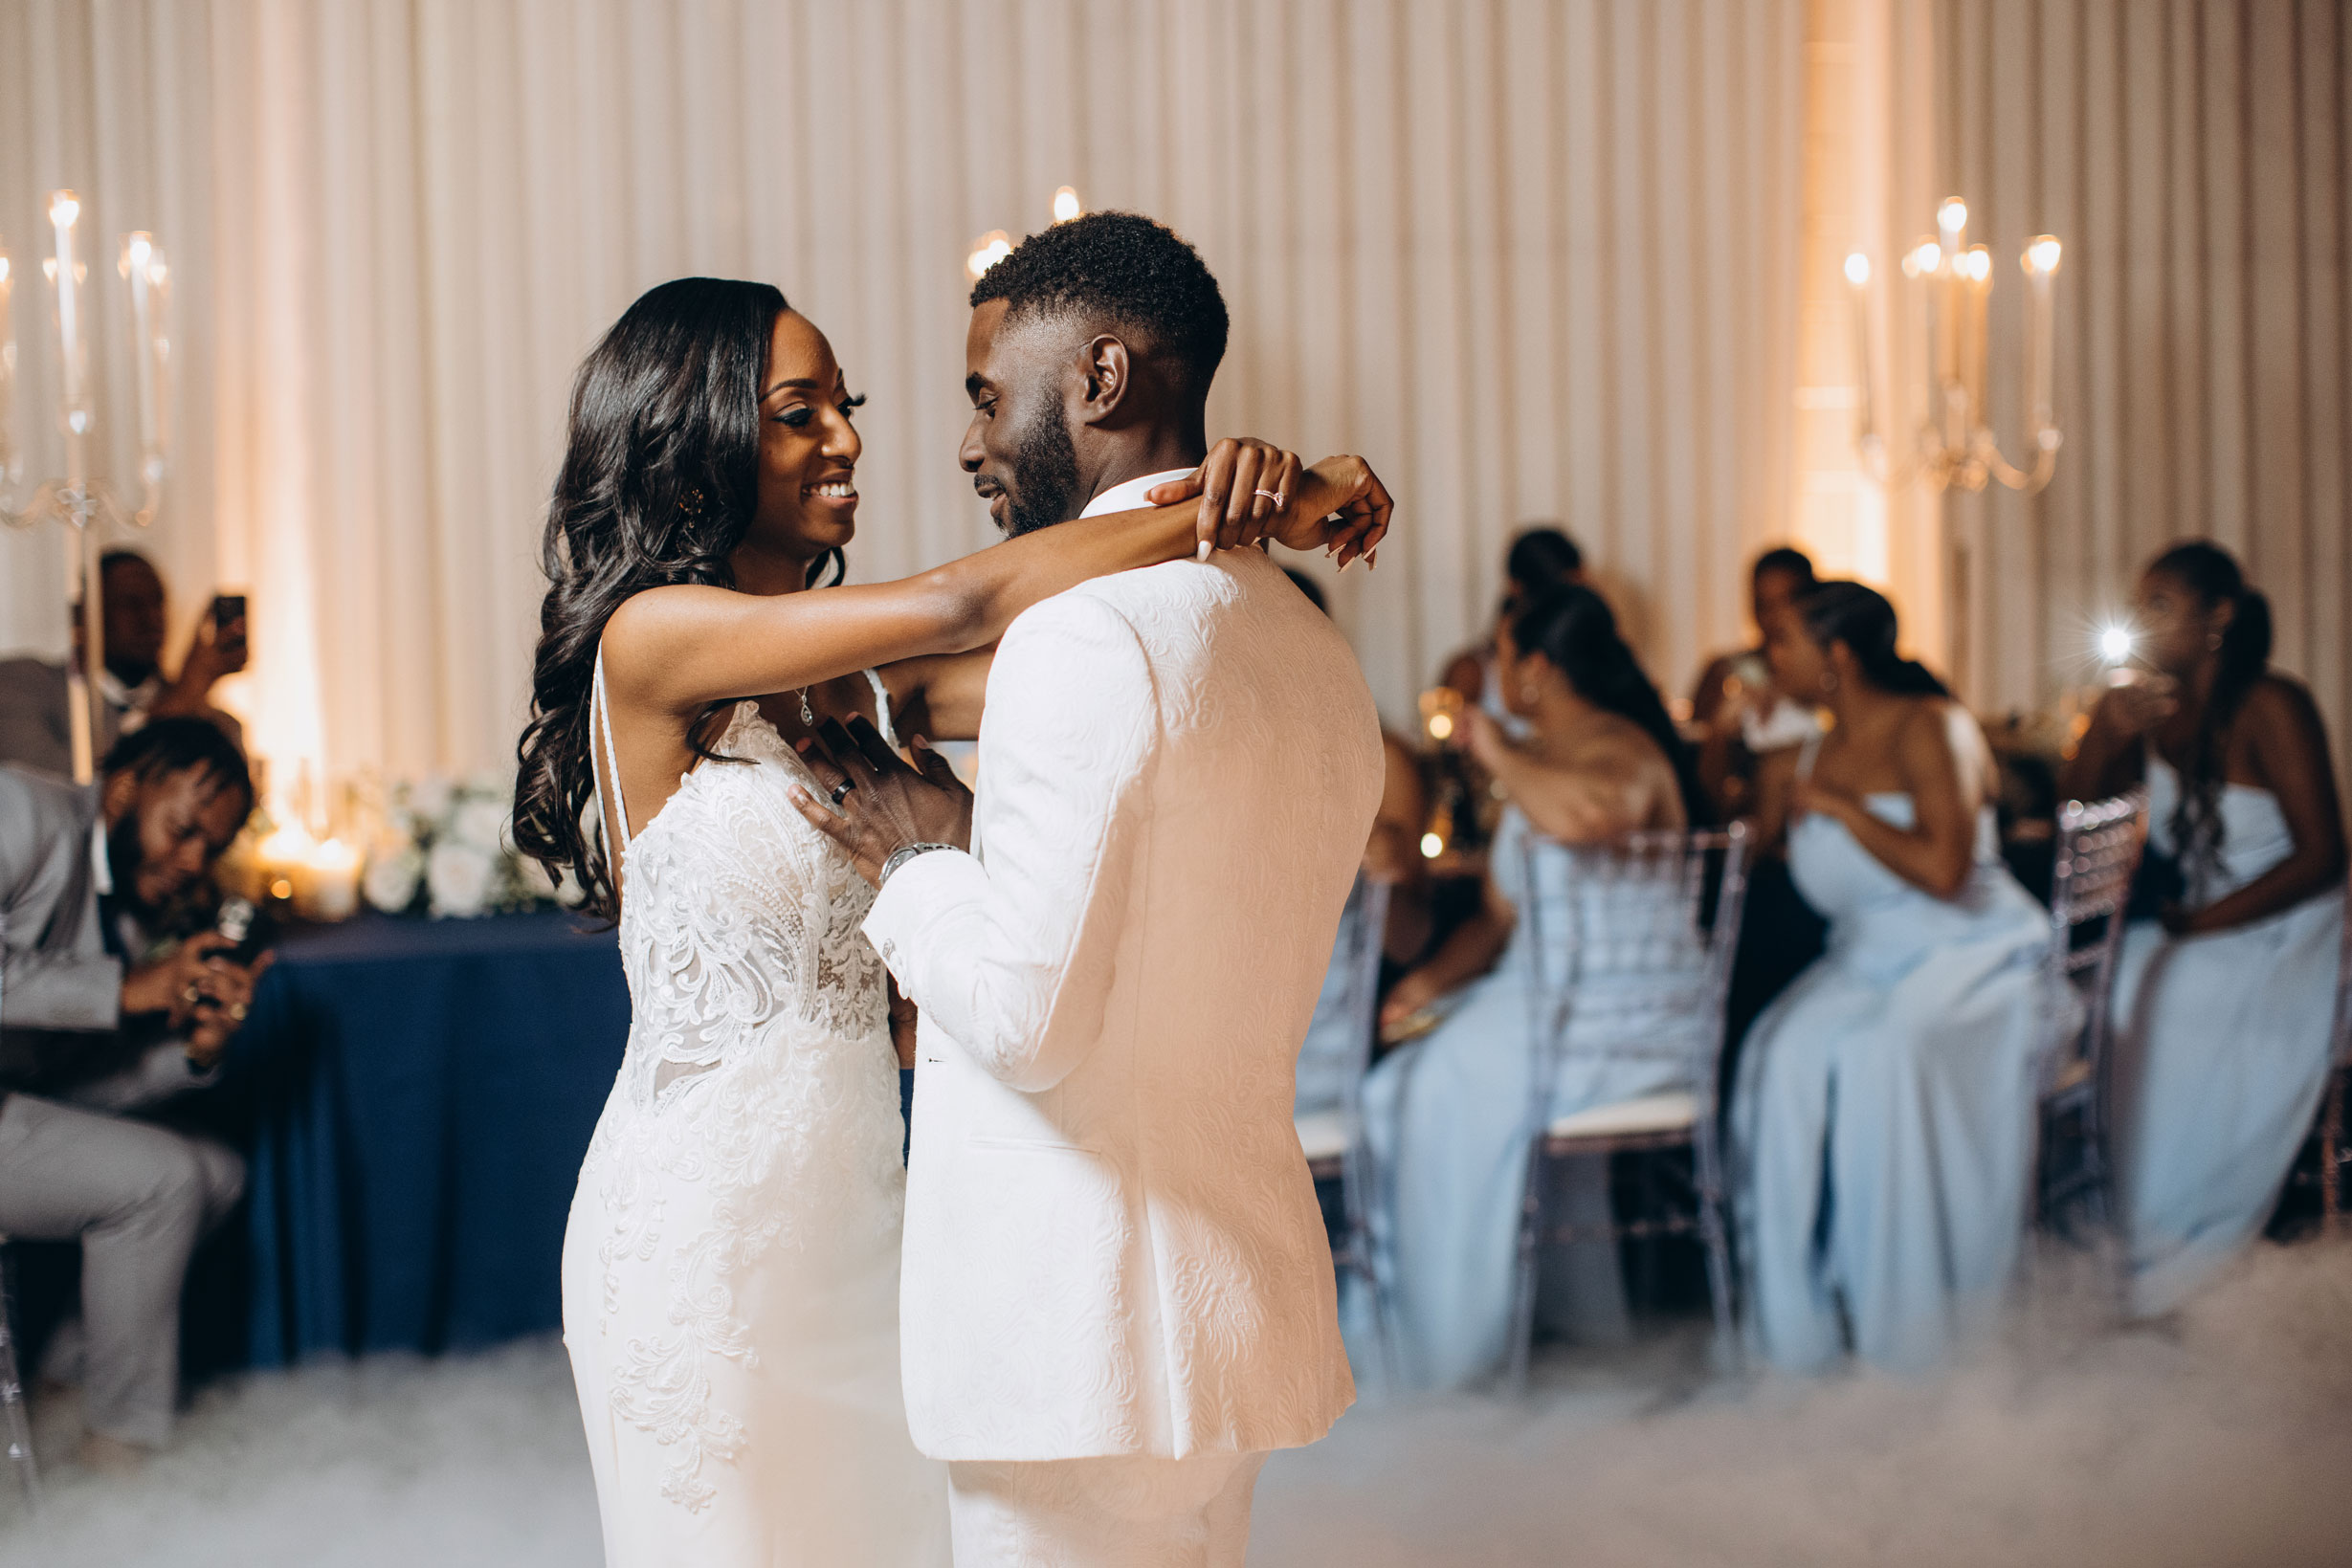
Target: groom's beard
column 1045, row 476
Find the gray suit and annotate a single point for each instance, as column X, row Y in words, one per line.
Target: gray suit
column 137, row 1196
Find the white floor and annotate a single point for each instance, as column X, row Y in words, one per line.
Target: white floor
column 2223, row 1437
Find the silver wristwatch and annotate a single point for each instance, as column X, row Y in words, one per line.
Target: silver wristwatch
column 901, row 856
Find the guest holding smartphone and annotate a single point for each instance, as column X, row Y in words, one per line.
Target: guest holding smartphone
column 36, row 723
column 2223, row 1003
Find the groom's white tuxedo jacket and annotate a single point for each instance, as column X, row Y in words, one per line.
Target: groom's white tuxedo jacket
column 1112, row 1242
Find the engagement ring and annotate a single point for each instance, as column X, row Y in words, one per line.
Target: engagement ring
column 1274, row 495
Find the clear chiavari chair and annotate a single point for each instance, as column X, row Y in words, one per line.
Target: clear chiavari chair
column 1634, row 961
column 2097, row 855
column 1331, row 1130
column 2334, row 1157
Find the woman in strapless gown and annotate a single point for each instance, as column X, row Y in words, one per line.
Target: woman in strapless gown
column 1446, row 1115
column 731, row 1267
column 2223, row 1009
column 1882, row 1125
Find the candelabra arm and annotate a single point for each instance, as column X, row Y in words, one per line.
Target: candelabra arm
column 1986, row 449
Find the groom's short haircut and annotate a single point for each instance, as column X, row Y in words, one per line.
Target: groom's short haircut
column 1122, row 270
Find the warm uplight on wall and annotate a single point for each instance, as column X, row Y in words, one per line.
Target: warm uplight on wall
column 986, row 252
column 1066, row 205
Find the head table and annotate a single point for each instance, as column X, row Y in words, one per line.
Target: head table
column 420, row 1094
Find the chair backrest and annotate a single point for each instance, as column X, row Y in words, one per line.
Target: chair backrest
column 2098, row 849
column 1338, row 1050
column 1630, row 944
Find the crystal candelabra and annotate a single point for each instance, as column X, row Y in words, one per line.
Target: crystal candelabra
column 1955, row 444
column 80, row 502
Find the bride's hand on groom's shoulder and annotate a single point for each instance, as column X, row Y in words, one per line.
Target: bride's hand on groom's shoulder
column 879, row 806
column 1340, row 506
column 1241, row 486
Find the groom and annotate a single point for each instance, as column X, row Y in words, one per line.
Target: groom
column 1118, row 1295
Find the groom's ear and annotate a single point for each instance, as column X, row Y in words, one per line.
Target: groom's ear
column 1107, row 374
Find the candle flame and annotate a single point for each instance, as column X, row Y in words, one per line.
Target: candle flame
column 139, row 249
column 1976, row 263
column 1431, row 846
column 2041, row 253
column 64, row 207
column 1923, row 261
column 1066, row 205
column 4, row 269
column 986, row 252
column 1953, row 215
column 157, row 272
column 1857, row 268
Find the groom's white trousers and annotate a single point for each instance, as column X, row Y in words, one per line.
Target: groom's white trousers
column 1116, row 1513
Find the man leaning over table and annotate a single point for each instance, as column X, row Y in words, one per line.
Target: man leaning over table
column 93, row 1028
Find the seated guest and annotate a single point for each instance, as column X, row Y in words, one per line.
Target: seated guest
column 1882, row 1125
column 1741, row 715
column 1393, row 857
column 1541, row 559
column 1444, row 1114
column 2222, row 1007
column 92, row 1027
column 36, row 727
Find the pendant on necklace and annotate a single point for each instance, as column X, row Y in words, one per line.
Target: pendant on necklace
column 807, row 715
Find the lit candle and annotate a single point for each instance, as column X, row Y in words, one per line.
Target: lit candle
column 64, row 211
column 1857, row 290
column 329, row 888
column 2041, row 264
column 138, row 254
column 1066, row 205
column 1951, row 318
column 285, row 862
column 1980, row 291
column 8, row 376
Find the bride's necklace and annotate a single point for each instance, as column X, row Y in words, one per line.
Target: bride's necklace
column 807, row 715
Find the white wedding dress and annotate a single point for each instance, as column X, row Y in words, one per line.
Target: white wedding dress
column 731, row 1266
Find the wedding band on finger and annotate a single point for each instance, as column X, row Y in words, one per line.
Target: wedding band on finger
column 194, row 993
column 1274, row 495
column 236, row 1012
column 842, row 788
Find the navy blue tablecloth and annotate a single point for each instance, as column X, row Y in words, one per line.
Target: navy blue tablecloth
column 422, row 1093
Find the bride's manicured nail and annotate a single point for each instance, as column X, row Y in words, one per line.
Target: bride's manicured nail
column 1202, row 554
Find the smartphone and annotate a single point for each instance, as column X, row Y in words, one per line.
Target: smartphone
column 249, row 927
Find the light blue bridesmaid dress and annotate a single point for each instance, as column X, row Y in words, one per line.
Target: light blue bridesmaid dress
column 1445, row 1118
column 2221, row 1054
column 1882, row 1131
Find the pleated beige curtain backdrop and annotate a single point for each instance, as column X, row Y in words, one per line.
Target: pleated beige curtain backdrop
column 2192, row 154
column 1535, row 257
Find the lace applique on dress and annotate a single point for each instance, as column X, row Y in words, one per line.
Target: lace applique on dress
column 757, row 1096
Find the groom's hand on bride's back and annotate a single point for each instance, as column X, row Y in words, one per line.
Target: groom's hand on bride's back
column 879, row 806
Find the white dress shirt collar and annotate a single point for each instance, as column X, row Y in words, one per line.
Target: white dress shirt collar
column 1129, row 497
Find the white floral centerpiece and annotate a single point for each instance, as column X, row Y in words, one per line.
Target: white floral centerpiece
column 446, row 848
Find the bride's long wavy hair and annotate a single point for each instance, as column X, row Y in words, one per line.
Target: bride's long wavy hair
column 660, row 483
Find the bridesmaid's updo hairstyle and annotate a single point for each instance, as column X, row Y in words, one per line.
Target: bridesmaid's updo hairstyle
column 2213, row 576
column 1574, row 629
column 660, row 483
column 1839, row 611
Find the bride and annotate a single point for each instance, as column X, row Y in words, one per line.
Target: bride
column 731, row 1267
